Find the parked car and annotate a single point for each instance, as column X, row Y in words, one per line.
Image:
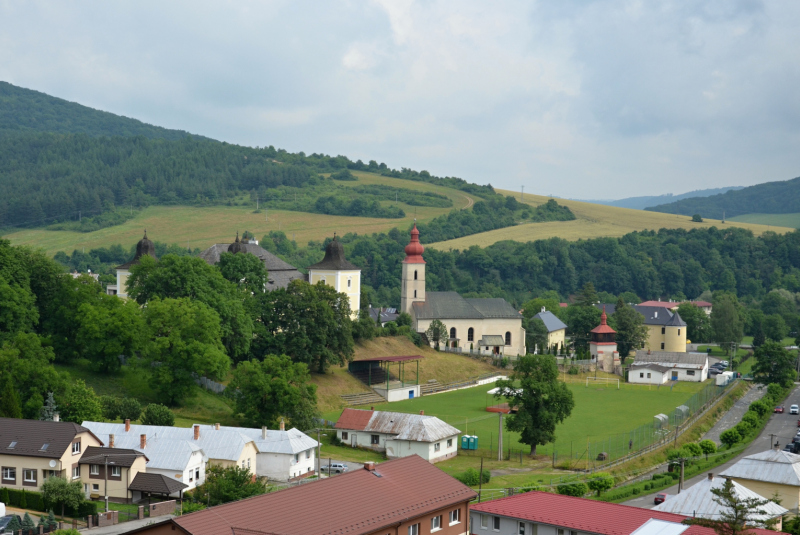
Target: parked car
column 6, row 520
column 724, row 363
column 335, row 468
column 661, row 497
column 794, row 409
column 714, row 371
column 779, row 409
column 718, row 365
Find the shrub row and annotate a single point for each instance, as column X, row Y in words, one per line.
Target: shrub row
column 33, row 500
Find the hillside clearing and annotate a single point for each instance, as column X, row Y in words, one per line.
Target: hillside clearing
column 781, row 220
column 593, row 221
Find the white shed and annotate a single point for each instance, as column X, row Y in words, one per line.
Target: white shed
column 649, row 374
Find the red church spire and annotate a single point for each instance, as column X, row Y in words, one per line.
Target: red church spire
column 603, row 328
column 414, row 248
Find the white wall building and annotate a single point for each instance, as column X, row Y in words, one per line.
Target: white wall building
column 282, row 455
column 663, row 366
column 398, row 434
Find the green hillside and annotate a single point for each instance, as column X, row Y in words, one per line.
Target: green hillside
column 773, row 220
column 768, row 198
column 26, row 110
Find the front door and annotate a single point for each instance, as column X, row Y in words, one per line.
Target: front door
column 86, row 490
column 410, row 394
column 353, row 440
column 674, row 376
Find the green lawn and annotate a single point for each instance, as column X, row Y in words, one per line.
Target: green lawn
column 748, row 340
column 778, row 220
column 600, row 413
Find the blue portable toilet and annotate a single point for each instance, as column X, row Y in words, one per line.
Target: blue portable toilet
column 465, row 442
column 473, row 442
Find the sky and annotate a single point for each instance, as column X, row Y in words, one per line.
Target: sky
column 579, row 99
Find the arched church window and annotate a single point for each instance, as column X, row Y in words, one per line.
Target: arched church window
column 415, row 274
column 470, row 335
column 452, row 332
column 508, row 338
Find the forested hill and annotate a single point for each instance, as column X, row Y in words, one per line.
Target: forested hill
column 26, row 110
column 640, row 203
column 768, row 198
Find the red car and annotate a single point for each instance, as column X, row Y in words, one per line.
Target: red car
column 779, row 409
column 661, row 497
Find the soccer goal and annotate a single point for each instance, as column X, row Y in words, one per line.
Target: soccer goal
column 602, row 380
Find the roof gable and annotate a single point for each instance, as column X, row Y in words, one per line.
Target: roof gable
column 771, row 466
column 551, row 321
column 37, row 438
column 355, row 419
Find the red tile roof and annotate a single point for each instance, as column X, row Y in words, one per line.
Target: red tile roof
column 353, row 419
column 584, row 515
column 701, row 303
column 357, row 502
column 661, row 304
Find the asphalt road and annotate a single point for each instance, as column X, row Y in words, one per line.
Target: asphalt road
column 783, row 428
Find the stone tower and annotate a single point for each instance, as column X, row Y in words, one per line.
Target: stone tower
column 413, row 273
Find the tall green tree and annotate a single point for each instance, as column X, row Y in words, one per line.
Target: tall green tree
column 67, row 494
column 580, row 321
column 275, row 388
column 542, row 400
column 9, row 401
column 535, row 334
column 758, row 335
column 631, row 331
column 228, row 484
column 588, row 296
column 185, row 341
column 737, row 513
column 775, row 327
column 245, row 270
column 774, row 364
column 726, row 322
column 108, row 329
column 437, row 332
column 698, row 324
column 80, row 403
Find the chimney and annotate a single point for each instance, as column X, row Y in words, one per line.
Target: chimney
column 111, row 441
column 127, row 425
column 142, row 441
column 56, row 417
column 264, row 432
column 422, row 413
column 283, row 426
column 369, row 466
column 216, row 426
column 196, row 432
column 372, row 408
column 710, row 476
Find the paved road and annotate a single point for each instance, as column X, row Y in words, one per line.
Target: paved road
column 782, row 426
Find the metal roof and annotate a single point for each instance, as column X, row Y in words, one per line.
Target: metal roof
column 660, row 527
column 116, row 456
column 279, row 273
column 445, row 305
column 771, row 466
column 494, row 307
column 287, row 442
column 698, row 501
column 334, row 259
column 551, row 321
column 492, row 340
column 413, row 427
column 671, row 359
column 655, row 315
column 649, row 366
column 393, row 359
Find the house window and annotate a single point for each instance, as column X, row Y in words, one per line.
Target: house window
column 484, row 521
column 559, row 532
column 9, row 474
column 308, row 454
column 296, row 458
column 415, row 294
column 496, row 524
column 413, row 530
column 679, row 332
column 29, row 475
column 248, row 463
column 648, row 375
column 94, row 470
column 452, row 332
column 415, row 274
column 344, row 435
column 197, row 474
column 449, row 442
column 437, row 446
column 508, row 338
column 663, row 330
column 641, row 374
column 689, row 372
column 573, row 533
column 534, row 529
column 436, row 523
column 662, row 345
column 116, row 471
column 76, row 472
column 349, row 283
column 76, row 447
column 374, row 439
column 470, row 335
column 455, row 516
column 521, row 528
column 95, row 487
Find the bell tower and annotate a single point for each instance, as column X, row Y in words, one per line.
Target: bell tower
column 413, row 273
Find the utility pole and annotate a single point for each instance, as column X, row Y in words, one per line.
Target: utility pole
column 319, row 459
column 680, row 483
column 105, row 486
column 500, row 438
column 480, row 482
column 522, row 193
column 256, row 201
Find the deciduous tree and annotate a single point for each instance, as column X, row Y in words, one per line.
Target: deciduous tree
column 631, row 331
column 229, row 484
column 80, row 403
column 773, row 364
column 698, row 324
column 56, row 490
column 726, row 322
column 437, row 332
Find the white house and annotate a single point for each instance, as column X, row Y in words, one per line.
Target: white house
column 668, row 366
column 282, row 455
column 398, row 434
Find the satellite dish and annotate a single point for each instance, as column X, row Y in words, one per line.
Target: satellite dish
column 52, row 463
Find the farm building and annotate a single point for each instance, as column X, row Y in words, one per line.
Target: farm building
column 768, row 473
column 398, row 434
column 556, row 329
column 658, row 367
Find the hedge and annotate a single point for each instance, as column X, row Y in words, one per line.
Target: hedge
column 35, row 501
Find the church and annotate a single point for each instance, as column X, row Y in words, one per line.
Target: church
column 473, row 324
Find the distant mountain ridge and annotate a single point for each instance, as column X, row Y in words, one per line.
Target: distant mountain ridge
column 26, row 110
column 640, row 203
column 781, row 197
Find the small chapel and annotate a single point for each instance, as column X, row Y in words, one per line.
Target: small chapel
column 145, row 247
column 481, row 325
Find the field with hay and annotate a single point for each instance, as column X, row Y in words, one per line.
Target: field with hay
column 775, row 220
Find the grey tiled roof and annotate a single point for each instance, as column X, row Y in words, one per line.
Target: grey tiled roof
column 551, row 321
column 450, row 305
column 30, row 436
column 675, row 321
column 156, row 484
column 494, row 307
column 492, row 340
column 655, row 315
column 279, row 273
column 116, row 456
column 649, row 366
column 334, row 259
column 671, row 359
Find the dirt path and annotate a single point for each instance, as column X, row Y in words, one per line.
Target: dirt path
column 470, row 201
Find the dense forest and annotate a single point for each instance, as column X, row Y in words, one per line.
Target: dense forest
column 768, row 198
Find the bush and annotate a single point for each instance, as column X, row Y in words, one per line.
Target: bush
column 110, row 406
column 486, row 476
column 730, row 437
column 647, row 486
column 697, row 219
column 573, row 489
column 23, row 501
column 759, row 407
column 415, row 338
column 692, row 449
column 129, row 409
column 751, row 418
column 708, row 447
column 573, row 370
column 637, row 490
column 335, row 440
column 600, row 482
column 743, row 428
column 470, row 477
column 157, row 414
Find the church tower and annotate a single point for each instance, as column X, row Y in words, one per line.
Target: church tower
column 413, row 273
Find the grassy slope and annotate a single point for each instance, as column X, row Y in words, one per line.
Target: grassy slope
column 779, row 220
column 201, row 227
column 593, row 221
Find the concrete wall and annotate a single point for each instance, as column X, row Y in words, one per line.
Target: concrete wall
column 122, row 278
column 284, row 466
column 117, row 486
column 187, row 475
column 650, row 377
column 481, row 327
column 247, row 459
column 556, row 338
column 484, row 524
column 399, row 394
column 339, row 280
column 411, row 289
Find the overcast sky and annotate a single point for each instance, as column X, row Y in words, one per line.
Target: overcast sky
column 580, row 99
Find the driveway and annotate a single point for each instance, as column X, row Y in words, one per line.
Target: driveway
column 351, row 466
column 782, row 427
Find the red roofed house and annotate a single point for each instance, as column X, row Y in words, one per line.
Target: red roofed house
column 543, row 513
column 405, row 496
column 398, row 434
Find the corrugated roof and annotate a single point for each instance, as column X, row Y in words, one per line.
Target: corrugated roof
column 698, row 501
column 355, row 503
column 551, row 321
column 403, row 426
column 30, row 436
column 492, row 340
column 771, row 466
column 116, row 456
column 649, row 366
column 660, row 527
column 585, row 515
column 398, row 358
column 156, row 484
column 671, row 359
column 277, row 441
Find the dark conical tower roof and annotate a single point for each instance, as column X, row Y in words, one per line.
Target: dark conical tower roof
column 236, row 247
column 334, row 258
column 144, row 247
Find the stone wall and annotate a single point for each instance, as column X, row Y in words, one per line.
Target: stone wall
column 107, row 519
column 162, row 508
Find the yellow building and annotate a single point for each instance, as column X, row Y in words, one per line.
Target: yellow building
column 556, row 329
column 123, row 466
column 144, row 247
column 334, row 270
column 768, row 473
column 666, row 331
